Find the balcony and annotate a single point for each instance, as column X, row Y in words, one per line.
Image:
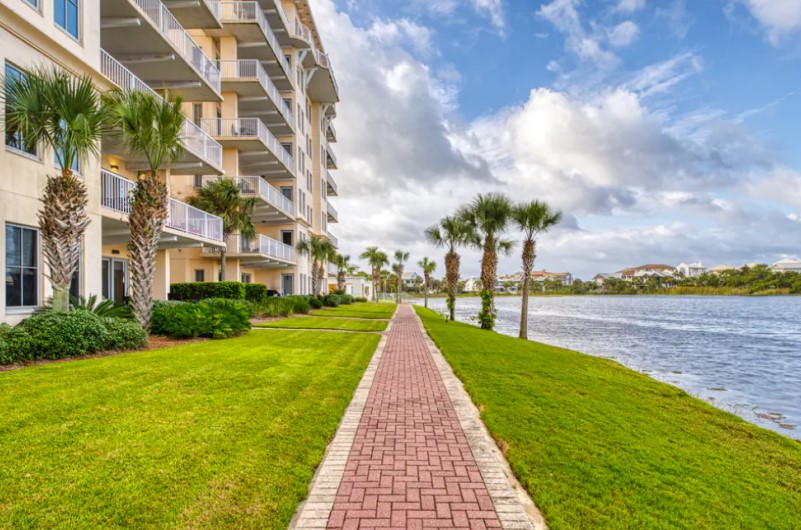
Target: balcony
column 258, row 96
column 333, row 239
column 147, row 38
column 261, row 252
column 187, row 226
column 330, row 132
column 260, row 153
column 330, row 158
column 323, row 85
column 271, row 207
column 195, row 14
column 202, row 155
column 331, row 185
column 247, row 22
column 333, row 215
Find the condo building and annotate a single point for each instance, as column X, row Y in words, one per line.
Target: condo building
column 259, row 96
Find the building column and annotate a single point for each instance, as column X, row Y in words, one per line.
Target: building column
column 161, row 280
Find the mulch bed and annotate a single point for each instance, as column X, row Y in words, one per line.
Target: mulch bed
column 155, row 342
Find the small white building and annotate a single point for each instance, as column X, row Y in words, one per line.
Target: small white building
column 691, row 270
column 718, row 269
column 356, row 286
column 787, row 265
column 472, row 285
column 411, row 279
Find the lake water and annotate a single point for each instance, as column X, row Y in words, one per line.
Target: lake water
column 741, row 354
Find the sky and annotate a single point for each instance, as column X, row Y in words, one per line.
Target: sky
column 666, row 131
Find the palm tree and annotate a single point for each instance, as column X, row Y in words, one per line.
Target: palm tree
column 377, row 259
column 401, row 257
column 320, row 251
column 450, row 233
column 223, row 198
column 148, row 126
column 64, row 112
column 427, row 267
column 488, row 217
column 533, row 218
column 343, row 267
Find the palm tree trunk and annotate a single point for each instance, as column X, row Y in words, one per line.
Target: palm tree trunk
column 425, row 291
column 62, row 223
column 315, row 287
column 528, row 265
column 489, row 266
column 376, row 279
column 321, row 278
column 222, row 263
column 146, row 220
column 452, row 279
column 341, row 280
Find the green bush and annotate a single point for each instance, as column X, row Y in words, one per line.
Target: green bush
column 282, row 306
column 5, row 348
column 214, row 317
column 255, row 292
column 360, row 299
column 331, row 300
column 55, row 335
column 315, row 303
column 201, row 290
column 124, row 334
column 300, row 304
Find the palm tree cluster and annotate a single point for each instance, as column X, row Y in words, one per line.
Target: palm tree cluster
column 481, row 224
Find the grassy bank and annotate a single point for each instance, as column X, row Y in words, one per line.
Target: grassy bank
column 361, row 310
column 332, row 323
column 220, row 434
column 599, row 446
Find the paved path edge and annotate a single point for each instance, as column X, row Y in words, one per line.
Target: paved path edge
column 313, row 513
column 515, row 508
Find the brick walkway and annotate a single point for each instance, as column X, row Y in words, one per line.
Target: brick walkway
column 410, row 465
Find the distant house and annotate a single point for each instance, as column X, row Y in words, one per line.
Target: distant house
column 472, row 285
column 358, row 286
column 411, row 279
column 691, row 270
column 786, row 265
column 650, row 269
column 718, row 269
column 602, row 277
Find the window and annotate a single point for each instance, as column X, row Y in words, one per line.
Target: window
column 200, row 275
column 75, row 283
column 287, row 148
column 33, row 3
column 286, row 237
column 197, row 113
column 309, row 180
column 22, row 266
column 115, row 279
column 67, row 15
column 286, row 191
column 246, row 277
column 15, row 139
column 76, row 163
column 198, row 181
column 288, row 60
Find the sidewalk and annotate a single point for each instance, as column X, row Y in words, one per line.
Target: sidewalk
column 410, row 464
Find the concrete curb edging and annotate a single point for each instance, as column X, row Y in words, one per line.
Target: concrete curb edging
column 513, row 505
column 313, row 513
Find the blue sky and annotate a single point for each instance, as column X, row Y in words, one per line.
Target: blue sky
column 666, row 130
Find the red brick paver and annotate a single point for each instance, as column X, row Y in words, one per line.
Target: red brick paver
column 410, row 465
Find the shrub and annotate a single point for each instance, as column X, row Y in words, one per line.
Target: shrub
column 215, row 317
column 201, row 290
column 300, row 304
column 124, row 334
column 255, row 292
column 103, row 308
column 5, row 348
column 346, row 299
column 315, row 303
column 55, row 335
column 360, row 299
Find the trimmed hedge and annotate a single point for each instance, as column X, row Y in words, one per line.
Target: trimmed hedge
column 216, row 318
column 57, row 335
column 315, row 303
column 360, row 299
column 255, row 292
column 201, row 290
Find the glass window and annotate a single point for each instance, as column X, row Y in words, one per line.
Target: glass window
column 200, row 275
column 246, row 278
column 75, row 283
column 14, row 138
column 22, row 266
column 76, row 164
column 67, row 15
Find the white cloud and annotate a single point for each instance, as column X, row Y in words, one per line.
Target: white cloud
column 629, row 6
column 780, row 18
column 493, row 9
column 624, row 34
column 564, row 16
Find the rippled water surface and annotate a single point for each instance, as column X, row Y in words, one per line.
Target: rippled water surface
column 741, row 354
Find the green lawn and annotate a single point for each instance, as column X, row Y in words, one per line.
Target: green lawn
column 220, row 434
column 315, row 322
column 599, row 446
column 361, row 310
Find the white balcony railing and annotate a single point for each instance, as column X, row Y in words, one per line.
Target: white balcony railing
column 252, row 69
column 302, row 31
column 248, row 127
column 263, row 246
column 331, row 182
column 330, row 132
column 330, row 152
column 116, row 193
column 194, row 139
column 332, row 211
column 257, row 186
column 332, row 238
column 172, row 30
column 252, row 12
